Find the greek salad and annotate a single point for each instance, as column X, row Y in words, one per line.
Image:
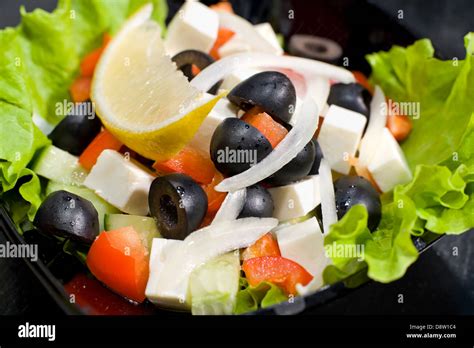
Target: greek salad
column 200, row 168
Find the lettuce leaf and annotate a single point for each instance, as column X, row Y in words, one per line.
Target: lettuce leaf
column 443, row 89
column 39, row 60
column 437, row 200
column 263, row 295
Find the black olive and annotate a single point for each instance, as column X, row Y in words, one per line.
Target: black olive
column 317, row 159
column 271, row 90
column 258, row 203
column 75, row 132
column 353, row 190
column 236, row 146
column 352, row 96
column 297, row 168
column 68, row 215
column 178, row 204
column 186, row 59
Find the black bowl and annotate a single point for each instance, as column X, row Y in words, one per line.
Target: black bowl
column 361, row 28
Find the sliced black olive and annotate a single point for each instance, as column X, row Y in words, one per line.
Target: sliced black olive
column 270, row 90
column 77, row 129
column 68, row 215
column 236, row 146
column 317, row 159
column 186, row 59
column 353, row 190
column 352, row 96
column 178, row 204
column 297, row 168
column 258, row 203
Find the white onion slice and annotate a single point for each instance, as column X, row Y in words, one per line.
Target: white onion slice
column 246, row 30
column 373, row 134
column 208, row 243
column 318, row 88
column 231, row 207
column 328, row 200
column 284, row 152
column 222, row 68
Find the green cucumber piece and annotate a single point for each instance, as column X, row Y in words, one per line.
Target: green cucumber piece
column 60, row 166
column 100, row 205
column 213, row 286
column 145, row 226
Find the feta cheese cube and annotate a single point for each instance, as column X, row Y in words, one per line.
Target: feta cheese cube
column 267, row 32
column 156, row 291
column 340, row 136
column 222, row 110
column 389, row 167
column 195, row 26
column 297, row 199
column 303, row 243
column 236, row 77
column 120, row 182
column 238, row 43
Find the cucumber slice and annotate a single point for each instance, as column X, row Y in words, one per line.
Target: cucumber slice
column 60, row 166
column 213, row 287
column 100, row 205
column 144, row 225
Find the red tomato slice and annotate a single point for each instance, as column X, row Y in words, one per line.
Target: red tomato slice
column 362, row 80
column 190, row 162
column 223, row 36
column 103, row 141
column 89, row 62
column 277, row 270
column 272, row 130
column 80, row 89
column 265, row 246
column 119, row 260
column 214, row 198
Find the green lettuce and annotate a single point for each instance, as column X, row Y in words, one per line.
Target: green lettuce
column 251, row 298
column 443, row 89
column 437, row 199
column 39, row 60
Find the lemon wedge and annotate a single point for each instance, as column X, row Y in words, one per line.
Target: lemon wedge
column 141, row 97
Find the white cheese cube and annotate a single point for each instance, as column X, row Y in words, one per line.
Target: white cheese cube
column 297, row 199
column 267, row 32
column 239, row 44
column 389, row 167
column 303, row 243
column 236, row 77
column 195, row 26
column 340, row 136
column 222, row 110
column 236, row 44
column 169, row 297
column 120, row 182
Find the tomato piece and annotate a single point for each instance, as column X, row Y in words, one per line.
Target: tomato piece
column 191, row 162
column 103, row 141
column 223, row 36
column 277, row 270
column 214, row 198
column 96, row 299
column 362, row 80
column 272, row 130
column 89, row 62
column 265, row 246
column 400, row 126
column 119, row 260
column 81, row 89
column 224, row 6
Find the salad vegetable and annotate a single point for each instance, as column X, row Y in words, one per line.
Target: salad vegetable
column 198, row 168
